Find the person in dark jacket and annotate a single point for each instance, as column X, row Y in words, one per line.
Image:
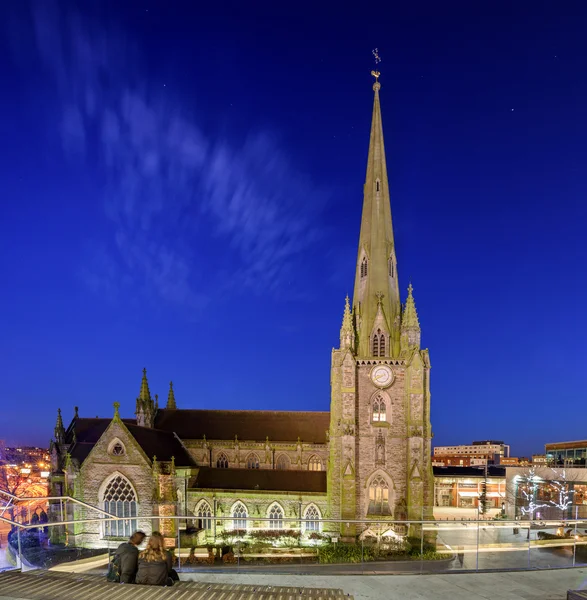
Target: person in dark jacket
column 128, row 557
column 155, row 563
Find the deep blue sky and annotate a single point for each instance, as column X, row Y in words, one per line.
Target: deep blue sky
column 181, row 190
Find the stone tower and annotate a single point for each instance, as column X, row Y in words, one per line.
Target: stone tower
column 380, row 433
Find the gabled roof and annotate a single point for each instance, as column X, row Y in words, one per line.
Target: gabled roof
column 260, row 480
column 154, row 442
column 257, row 425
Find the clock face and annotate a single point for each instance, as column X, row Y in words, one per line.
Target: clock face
column 382, row 376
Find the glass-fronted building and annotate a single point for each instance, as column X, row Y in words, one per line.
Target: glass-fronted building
column 566, row 454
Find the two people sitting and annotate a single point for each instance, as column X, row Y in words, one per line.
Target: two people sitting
column 152, row 566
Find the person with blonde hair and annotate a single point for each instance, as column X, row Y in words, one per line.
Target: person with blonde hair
column 155, row 563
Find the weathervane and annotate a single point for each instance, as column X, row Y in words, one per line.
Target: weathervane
column 377, row 58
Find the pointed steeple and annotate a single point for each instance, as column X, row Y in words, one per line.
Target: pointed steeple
column 410, row 332
column 347, row 331
column 171, row 397
column 59, row 429
column 376, row 284
column 145, row 407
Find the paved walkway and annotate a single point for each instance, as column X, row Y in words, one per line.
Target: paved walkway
column 513, row 585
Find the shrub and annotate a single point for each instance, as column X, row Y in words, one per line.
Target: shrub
column 229, row 558
column 345, row 553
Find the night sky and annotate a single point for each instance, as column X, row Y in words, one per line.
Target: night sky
column 181, row 190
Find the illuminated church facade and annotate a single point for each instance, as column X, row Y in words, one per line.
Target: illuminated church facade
column 368, row 458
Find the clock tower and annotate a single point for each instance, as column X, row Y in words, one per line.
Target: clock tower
column 380, row 432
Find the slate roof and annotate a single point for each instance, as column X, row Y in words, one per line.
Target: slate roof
column 154, row 442
column 257, row 425
column 260, row 480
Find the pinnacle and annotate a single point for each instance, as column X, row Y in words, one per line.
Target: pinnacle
column 171, row 397
column 410, row 315
column 145, row 394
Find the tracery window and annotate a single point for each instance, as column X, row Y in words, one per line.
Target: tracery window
column 283, row 462
column 222, row 461
column 311, row 519
column 364, row 267
column 276, row 517
column 204, row 515
column 117, row 449
column 252, row 461
column 379, row 410
column 314, row 464
column 120, row 500
column 239, row 516
column 379, row 497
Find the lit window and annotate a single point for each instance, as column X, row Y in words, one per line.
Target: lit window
column 120, row 500
column 222, row 461
column 314, row 464
column 252, row 461
column 276, row 517
column 379, row 410
column 311, row 519
column 379, row 497
column 204, row 515
column 239, row 516
column 283, row 462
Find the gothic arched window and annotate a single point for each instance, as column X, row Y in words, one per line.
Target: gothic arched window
column 239, row 516
column 379, row 497
column 382, row 345
column 311, row 519
column 276, row 517
column 120, row 500
column 283, row 462
column 377, row 185
column 252, row 461
column 314, row 464
column 364, row 267
column 390, row 266
column 375, row 345
column 379, row 410
column 204, row 514
column 222, row 461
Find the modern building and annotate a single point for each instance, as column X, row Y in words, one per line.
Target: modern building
column 477, row 453
column 566, row 453
column 368, row 458
column 462, row 486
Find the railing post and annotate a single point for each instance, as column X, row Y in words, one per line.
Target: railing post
column 178, row 547
column 19, row 565
column 477, row 553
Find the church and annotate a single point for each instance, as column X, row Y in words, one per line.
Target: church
column 367, row 459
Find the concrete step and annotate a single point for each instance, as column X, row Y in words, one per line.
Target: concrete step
column 44, row 585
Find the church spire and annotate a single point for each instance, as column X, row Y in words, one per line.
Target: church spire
column 59, row 429
column 376, row 285
column 171, row 397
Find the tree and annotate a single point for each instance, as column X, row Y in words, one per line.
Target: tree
column 19, row 484
column 563, row 495
column 528, row 488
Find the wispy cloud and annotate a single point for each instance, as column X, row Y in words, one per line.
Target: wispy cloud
column 174, row 196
